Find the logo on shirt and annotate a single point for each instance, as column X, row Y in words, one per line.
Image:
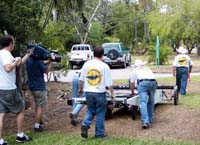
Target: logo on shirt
column 182, row 61
column 93, row 77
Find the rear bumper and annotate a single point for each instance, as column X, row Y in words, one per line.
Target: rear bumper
column 77, row 62
column 114, row 62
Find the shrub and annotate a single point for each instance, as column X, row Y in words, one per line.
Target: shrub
column 165, row 52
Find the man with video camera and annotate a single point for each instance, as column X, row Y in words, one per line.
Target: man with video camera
column 36, row 67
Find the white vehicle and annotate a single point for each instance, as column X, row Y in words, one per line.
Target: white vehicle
column 80, row 53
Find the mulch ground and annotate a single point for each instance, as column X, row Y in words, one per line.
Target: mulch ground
column 172, row 122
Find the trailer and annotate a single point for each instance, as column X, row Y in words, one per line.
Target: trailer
column 124, row 99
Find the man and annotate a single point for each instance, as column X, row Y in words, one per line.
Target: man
column 76, row 106
column 10, row 98
column 146, row 87
column 182, row 67
column 96, row 76
column 35, row 70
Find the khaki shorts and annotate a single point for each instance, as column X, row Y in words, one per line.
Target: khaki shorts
column 40, row 97
column 11, row 101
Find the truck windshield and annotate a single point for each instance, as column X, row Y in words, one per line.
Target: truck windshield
column 77, row 48
column 108, row 47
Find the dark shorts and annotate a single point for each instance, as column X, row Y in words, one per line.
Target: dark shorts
column 40, row 97
column 11, row 101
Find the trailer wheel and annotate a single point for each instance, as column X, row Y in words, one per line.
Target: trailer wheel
column 108, row 113
column 176, row 97
column 134, row 112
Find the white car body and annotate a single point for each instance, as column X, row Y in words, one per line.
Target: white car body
column 80, row 53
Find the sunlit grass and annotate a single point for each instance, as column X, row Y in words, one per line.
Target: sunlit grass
column 191, row 100
column 47, row 138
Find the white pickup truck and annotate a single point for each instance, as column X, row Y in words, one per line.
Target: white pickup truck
column 80, row 53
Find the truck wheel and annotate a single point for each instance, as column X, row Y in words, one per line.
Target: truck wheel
column 176, row 97
column 113, row 54
column 134, row 112
column 129, row 62
column 124, row 64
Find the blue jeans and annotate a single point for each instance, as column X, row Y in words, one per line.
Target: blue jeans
column 146, row 91
column 97, row 105
column 75, row 86
column 181, row 79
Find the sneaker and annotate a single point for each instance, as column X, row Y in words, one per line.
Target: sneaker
column 145, row 126
column 25, row 138
column 84, row 131
column 74, row 120
column 4, row 143
column 40, row 129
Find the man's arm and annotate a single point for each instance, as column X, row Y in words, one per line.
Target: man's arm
column 132, row 85
column 27, row 55
column 190, row 68
column 10, row 67
column 80, row 90
column 112, row 92
column 49, row 65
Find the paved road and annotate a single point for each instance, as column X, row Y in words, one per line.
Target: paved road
column 117, row 74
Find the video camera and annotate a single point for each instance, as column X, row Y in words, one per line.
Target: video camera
column 43, row 53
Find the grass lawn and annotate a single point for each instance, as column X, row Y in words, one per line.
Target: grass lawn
column 47, row 138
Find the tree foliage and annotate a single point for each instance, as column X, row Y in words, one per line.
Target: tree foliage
column 176, row 20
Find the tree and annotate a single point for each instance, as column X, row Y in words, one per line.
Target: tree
column 175, row 21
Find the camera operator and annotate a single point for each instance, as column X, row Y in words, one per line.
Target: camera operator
column 35, row 70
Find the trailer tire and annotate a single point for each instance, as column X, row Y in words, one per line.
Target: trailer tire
column 176, row 97
column 134, row 112
column 108, row 113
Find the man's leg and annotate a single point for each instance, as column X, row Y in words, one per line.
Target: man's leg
column 20, row 121
column 21, row 137
column 184, row 80
column 38, row 114
column 178, row 79
column 143, row 107
column 101, row 107
column 2, row 115
column 89, row 115
column 150, row 105
column 91, row 111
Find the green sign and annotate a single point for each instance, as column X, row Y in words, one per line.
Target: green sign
column 157, row 51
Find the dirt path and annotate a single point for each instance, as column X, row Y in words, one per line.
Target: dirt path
column 171, row 123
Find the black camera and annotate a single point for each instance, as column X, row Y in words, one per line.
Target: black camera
column 40, row 52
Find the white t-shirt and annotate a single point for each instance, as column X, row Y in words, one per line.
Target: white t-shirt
column 7, row 79
column 141, row 72
column 96, row 76
column 182, row 60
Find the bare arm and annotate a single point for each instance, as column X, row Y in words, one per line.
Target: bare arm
column 112, row 92
column 80, row 90
column 10, row 67
column 27, row 55
column 132, row 85
column 190, row 68
column 49, row 65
